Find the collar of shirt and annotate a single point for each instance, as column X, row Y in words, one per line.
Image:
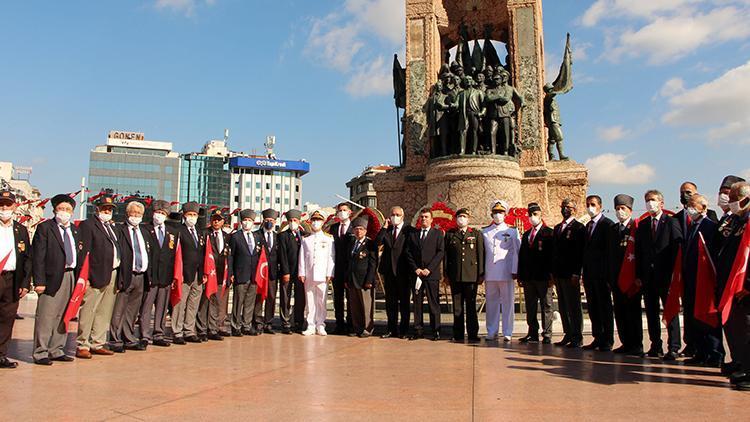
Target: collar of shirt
column 569, row 220
column 538, row 227
column 657, row 217
column 159, row 226
column 9, row 223
column 625, row 223
column 597, row 218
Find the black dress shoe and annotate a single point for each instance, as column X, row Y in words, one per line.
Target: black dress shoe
column 225, row 333
column 670, row 356
column 688, row 352
column 743, row 385
column 203, row 337
column 237, row 333
column 637, row 353
column 64, row 358
column 178, row 340
column 529, row 339
column 117, row 349
column 6, row 363
column 604, row 348
column 546, row 340
column 435, row 337
column 215, row 337
column 621, row 350
column 192, row 339
column 654, row 353
column 737, row 377
column 573, row 345
column 591, row 346
column 137, row 346
column 161, row 343
column 387, row 335
column 474, row 339
column 269, row 330
column 694, row 361
column 728, row 368
column 42, row 361
column 457, row 339
column 416, row 336
column 287, row 331
column 563, row 342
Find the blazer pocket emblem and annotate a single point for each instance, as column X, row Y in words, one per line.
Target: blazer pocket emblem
column 21, row 246
column 362, row 254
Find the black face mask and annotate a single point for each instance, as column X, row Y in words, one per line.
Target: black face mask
column 565, row 212
column 268, row 225
column 685, row 197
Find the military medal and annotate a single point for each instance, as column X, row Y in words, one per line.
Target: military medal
column 21, row 246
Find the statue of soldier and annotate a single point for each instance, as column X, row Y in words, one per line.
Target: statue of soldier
column 435, row 111
column 501, row 102
column 447, row 125
column 553, row 123
column 470, row 112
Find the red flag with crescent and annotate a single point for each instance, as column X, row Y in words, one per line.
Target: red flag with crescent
column 76, row 299
column 175, row 293
column 705, row 287
column 209, row 270
column 261, row 274
column 736, row 279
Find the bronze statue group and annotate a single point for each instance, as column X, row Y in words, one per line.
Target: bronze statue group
column 122, row 281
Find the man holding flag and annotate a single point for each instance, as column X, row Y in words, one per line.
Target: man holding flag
column 191, row 243
column 245, row 248
column 214, row 266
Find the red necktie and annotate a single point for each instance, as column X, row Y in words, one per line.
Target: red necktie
column 532, row 235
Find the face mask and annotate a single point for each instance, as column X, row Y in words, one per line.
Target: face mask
column 535, row 220
column 317, row 225
column 134, row 221
column 268, row 225
column 63, row 217
column 396, row 220
column 723, row 201
column 247, row 225
column 462, row 221
column 652, row 207
column 622, row 215
column 6, row 215
column 498, row 217
column 294, row 225
column 734, row 207
column 685, row 197
column 565, row 213
column 693, row 213
column 592, row 211
column 191, row 221
column 159, row 219
column 343, row 215
column 104, row 218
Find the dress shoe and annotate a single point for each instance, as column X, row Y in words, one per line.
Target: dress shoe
column 43, row 362
column 269, row 330
column 591, row 346
column 737, row 377
column 604, row 348
column 18, row 317
column 712, row 363
column 364, row 334
column 573, row 345
column 637, row 353
column 728, row 368
column 215, row 337
column 435, row 337
column 546, row 340
column 102, row 351
column 670, row 356
column 6, row 363
column 474, row 339
column 620, row 350
column 654, row 353
column 694, row 361
column 161, row 343
column 203, row 337
column 225, row 334
column 286, row 330
column 528, row 339
column 237, row 333
column 457, row 339
column 179, row 341
column 64, row 358
column 117, row 349
column 688, row 352
column 310, row 331
column 416, row 336
column 192, row 339
column 137, row 346
column 83, row 354
column 387, row 335
column 743, row 385
column 564, row 342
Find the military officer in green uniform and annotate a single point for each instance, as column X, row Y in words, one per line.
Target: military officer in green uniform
column 464, row 271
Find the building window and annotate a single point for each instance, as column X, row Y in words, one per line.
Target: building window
column 278, row 200
column 257, row 199
column 257, row 185
column 268, row 186
column 247, row 199
column 286, row 201
column 296, row 202
column 278, row 186
column 268, row 199
column 296, row 188
column 286, row 188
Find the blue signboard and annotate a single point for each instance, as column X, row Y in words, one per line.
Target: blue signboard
column 269, row 164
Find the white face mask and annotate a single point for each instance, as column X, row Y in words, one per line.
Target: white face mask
column 159, row 219
column 247, row 225
column 652, row 207
column 317, row 225
column 343, row 215
column 294, row 225
column 462, row 221
column 134, row 221
column 63, row 217
column 723, row 201
column 622, row 215
column 693, row 213
column 498, row 218
column 535, row 220
column 396, row 220
column 104, row 218
column 6, row 215
column 592, row 211
column 734, row 207
column 191, row 221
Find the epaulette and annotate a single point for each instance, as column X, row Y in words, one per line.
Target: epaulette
column 328, row 234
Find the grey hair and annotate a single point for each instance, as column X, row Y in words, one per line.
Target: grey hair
column 133, row 205
column 699, row 199
column 653, row 192
column 396, row 207
column 742, row 188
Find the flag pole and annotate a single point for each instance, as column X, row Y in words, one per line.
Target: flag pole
column 398, row 137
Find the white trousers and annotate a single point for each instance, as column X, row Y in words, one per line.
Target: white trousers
column 315, row 303
column 500, row 297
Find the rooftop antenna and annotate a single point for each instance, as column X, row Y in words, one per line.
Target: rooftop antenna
column 269, row 144
column 226, row 135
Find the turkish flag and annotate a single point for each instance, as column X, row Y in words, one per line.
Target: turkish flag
column 209, row 270
column 225, row 285
column 672, row 307
column 261, row 274
column 736, row 280
column 76, row 299
column 626, row 278
column 705, row 287
column 175, row 293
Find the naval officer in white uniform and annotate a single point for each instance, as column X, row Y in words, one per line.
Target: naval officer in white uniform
column 316, row 262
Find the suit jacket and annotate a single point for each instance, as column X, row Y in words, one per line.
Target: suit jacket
column 362, row 263
column 535, row 258
column 192, row 253
column 680, row 217
column 289, row 246
column 568, row 249
column 162, row 266
column 654, row 256
column 464, row 256
column 48, row 256
column 707, row 228
column 427, row 253
column 244, row 260
column 618, row 243
column 95, row 241
column 340, row 246
column 394, row 260
column 23, row 253
column 272, row 253
column 596, row 250
column 220, row 258
column 128, row 255
column 724, row 246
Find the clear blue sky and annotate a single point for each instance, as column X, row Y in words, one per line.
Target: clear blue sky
column 661, row 90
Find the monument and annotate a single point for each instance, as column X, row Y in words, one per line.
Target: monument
column 475, row 127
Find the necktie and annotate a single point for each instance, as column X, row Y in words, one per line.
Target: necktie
column 160, row 235
column 341, row 230
column 424, row 234
column 249, row 243
column 67, row 246
column 195, row 236
column 395, row 232
column 591, row 228
column 219, row 241
column 532, row 235
column 269, row 240
column 113, row 239
column 654, row 222
column 356, row 247
column 137, row 251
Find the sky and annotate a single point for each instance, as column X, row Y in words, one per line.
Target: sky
column 662, row 88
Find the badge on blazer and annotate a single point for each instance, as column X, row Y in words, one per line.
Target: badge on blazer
column 171, row 241
column 741, row 231
column 540, row 246
column 567, row 235
column 362, row 254
column 21, row 246
column 257, row 248
column 80, row 246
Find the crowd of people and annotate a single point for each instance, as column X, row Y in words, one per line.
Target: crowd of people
column 133, row 270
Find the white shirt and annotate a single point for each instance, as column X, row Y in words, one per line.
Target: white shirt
column 316, row 257
column 7, row 244
column 501, row 246
column 566, row 222
column 142, row 245
column 219, row 240
column 399, row 227
column 625, row 223
column 72, row 242
column 344, row 227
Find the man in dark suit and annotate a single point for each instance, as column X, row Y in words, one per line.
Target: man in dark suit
column 342, row 235
column 397, row 274
column 207, row 321
column 98, row 240
column 570, row 236
column 463, row 269
column 723, row 200
column 657, row 241
column 627, row 308
column 155, row 299
column 289, row 244
column 192, row 245
column 535, row 275
column 708, row 342
column 426, row 252
column 362, row 265
column 15, row 271
column 268, row 238
column 596, row 276
column 54, row 262
column 245, row 248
